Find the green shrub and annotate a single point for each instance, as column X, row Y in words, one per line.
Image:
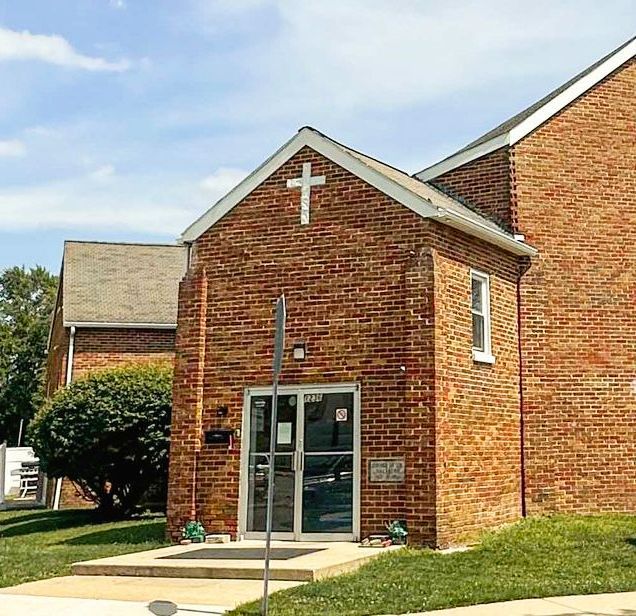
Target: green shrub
column 109, row 433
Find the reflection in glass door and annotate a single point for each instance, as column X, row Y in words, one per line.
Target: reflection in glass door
column 316, row 465
column 258, row 468
column 327, row 500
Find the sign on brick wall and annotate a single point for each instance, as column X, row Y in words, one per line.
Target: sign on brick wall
column 386, row 470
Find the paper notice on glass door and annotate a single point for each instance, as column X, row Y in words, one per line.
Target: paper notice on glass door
column 284, row 433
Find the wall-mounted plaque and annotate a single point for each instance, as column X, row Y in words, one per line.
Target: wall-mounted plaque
column 387, row 470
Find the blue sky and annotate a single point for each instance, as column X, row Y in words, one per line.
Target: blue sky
column 126, row 119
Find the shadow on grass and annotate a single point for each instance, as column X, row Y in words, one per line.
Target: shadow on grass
column 44, row 522
column 631, row 541
column 151, row 532
column 24, row 516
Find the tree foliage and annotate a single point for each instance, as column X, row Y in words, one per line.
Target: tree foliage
column 27, row 299
column 109, row 433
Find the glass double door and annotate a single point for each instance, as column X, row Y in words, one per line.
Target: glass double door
column 315, row 464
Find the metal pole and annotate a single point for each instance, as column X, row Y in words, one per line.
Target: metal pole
column 279, row 347
column 270, row 495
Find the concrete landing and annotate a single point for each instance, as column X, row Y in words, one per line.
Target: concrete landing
column 328, row 560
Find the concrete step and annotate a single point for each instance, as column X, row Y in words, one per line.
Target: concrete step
column 324, row 560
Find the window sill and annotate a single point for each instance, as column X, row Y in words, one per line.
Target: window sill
column 483, row 358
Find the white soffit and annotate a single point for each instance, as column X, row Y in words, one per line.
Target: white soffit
column 538, row 117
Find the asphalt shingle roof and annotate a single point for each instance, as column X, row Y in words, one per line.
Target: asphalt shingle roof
column 121, row 283
column 426, row 190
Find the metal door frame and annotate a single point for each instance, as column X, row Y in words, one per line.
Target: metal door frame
column 297, row 457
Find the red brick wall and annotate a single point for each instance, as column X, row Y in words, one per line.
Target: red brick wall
column 484, row 183
column 96, row 349
column 359, row 287
column 187, row 401
column 575, row 194
column 477, row 422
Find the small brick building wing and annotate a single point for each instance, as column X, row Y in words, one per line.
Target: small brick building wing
column 460, row 343
column 116, row 304
column 395, row 386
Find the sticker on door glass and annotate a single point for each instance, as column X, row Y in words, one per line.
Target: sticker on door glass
column 342, row 414
column 313, row 398
column 284, row 433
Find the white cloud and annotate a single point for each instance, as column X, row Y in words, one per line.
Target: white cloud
column 344, row 56
column 144, row 204
column 117, row 4
column 12, row 148
column 103, row 199
column 153, row 205
column 52, row 49
column 221, row 182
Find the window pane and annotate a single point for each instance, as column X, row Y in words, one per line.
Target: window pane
column 328, row 494
column 284, row 478
column 260, row 422
column 329, row 422
column 478, row 332
column 477, row 288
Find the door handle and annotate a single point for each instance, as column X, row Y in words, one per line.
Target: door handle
column 297, row 461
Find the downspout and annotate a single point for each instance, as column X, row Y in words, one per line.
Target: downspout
column 71, row 353
column 69, row 376
column 522, row 438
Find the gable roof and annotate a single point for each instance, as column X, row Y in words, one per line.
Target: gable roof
column 520, row 125
column 423, row 199
column 134, row 285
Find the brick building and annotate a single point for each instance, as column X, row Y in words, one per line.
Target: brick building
column 461, row 344
column 116, row 304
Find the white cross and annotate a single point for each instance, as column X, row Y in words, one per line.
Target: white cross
column 305, row 183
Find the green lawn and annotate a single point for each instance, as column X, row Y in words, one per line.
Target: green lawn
column 41, row 544
column 535, row 558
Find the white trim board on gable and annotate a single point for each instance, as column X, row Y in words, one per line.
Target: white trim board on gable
column 526, row 125
column 308, row 137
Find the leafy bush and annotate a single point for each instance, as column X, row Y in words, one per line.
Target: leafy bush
column 109, row 434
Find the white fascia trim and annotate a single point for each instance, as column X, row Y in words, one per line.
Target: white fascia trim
column 525, row 127
column 486, row 233
column 572, row 93
column 328, row 149
column 98, row 325
column 312, row 139
column 466, row 156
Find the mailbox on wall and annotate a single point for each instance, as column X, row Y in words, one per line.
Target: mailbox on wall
column 218, row 436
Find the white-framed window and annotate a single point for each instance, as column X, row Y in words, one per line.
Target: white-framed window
column 480, row 308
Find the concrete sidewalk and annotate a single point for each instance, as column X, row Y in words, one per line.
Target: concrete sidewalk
column 219, row 594
column 137, row 596
column 614, row 604
column 19, row 605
